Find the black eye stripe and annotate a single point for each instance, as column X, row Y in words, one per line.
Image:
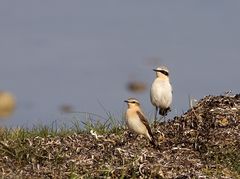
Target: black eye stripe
column 133, row 102
column 164, row 72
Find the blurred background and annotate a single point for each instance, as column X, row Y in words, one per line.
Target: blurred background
column 59, row 57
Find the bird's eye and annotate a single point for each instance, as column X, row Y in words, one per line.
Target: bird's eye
column 164, row 72
column 134, row 102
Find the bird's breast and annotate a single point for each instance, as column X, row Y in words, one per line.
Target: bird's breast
column 161, row 93
column 134, row 123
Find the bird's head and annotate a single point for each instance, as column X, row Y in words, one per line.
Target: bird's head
column 162, row 71
column 132, row 102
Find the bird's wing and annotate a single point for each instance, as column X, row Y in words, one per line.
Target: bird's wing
column 145, row 122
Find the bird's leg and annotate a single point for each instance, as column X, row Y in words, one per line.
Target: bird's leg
column 163, row 118
column 132, row 136
column 155, row 117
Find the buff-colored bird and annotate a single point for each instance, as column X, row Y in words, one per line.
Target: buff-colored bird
column 136, row 120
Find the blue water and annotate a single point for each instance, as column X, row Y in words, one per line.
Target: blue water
column 83, row 53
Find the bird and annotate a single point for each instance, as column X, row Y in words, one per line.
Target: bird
column 136, row 120
column 161, row 92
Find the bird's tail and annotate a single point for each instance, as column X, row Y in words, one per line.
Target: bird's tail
column 152, row 140
column 164, row 111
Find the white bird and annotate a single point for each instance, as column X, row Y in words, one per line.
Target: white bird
column 136, row 120
column 161, row 91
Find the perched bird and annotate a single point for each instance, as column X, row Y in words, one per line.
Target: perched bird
column 136, row 121
column 161, row 91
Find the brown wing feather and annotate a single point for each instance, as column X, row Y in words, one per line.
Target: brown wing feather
column 145, row 122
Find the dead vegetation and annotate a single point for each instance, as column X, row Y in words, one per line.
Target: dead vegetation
column 202, row 143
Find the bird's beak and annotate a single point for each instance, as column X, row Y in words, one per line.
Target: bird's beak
column 126, row 101
column 154, row 70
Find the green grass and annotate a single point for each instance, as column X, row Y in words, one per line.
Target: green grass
column 228, row 157
column 111, row 125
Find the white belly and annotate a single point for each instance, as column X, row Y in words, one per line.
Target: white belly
column 137, row 126
column 161, row 93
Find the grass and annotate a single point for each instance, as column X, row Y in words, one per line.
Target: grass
column 111, row 125
column 229, row 157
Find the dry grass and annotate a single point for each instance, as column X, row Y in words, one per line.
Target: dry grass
column 202, row 143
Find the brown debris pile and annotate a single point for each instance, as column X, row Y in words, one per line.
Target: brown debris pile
column 202, row 143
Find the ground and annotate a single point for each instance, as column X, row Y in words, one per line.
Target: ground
column 202, row 143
